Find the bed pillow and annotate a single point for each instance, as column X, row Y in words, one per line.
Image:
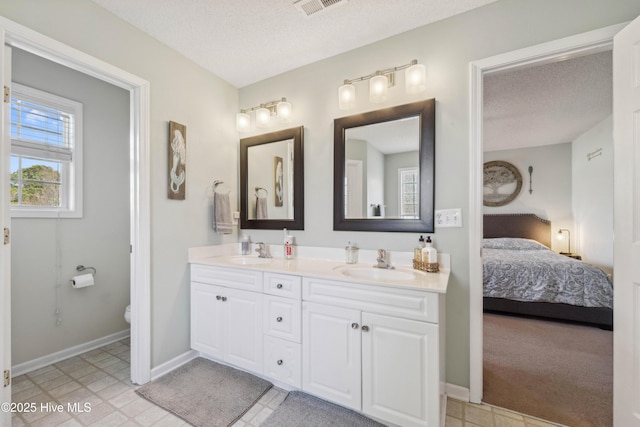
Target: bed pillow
column 513, row 243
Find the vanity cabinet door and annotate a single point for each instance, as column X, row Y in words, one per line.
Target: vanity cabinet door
column 206, row 319
column 243, row 329
column 331, row 353
column 400, row 381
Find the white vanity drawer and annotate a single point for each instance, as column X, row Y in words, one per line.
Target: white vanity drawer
column 374, row 299
column 248, row 280
column 283, row 361
column 283, row 285
column 282, row 317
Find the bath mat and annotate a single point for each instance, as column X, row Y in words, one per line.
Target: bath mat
column 300, row 409
column 205, row 393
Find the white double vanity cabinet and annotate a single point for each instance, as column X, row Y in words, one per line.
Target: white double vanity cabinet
column 368, row 339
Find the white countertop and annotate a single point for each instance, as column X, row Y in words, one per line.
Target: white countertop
column 328, row 263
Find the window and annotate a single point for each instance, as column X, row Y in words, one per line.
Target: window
column 409, row 200
column 46, row 154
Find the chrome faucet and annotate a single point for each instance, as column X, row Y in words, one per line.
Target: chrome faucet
column 262, row 250
column 383, row 261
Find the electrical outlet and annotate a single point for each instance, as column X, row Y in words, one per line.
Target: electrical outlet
column 448, row 218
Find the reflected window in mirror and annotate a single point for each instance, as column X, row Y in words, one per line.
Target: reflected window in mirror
column 384, row 169
column 272, row 180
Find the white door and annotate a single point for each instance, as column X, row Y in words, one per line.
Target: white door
column 626, row 132
column 400, row 381
column 331, row 353
column 206, row 319
column 5, row 252
column 242, row 325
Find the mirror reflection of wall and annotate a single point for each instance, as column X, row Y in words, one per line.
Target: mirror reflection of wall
column 382, row 170
column 270, row 180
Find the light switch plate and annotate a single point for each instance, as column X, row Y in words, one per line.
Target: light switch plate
column 448, row 218
column 235, row 217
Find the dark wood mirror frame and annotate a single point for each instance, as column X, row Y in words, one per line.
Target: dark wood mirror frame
column 426, row 111
column 297, row 223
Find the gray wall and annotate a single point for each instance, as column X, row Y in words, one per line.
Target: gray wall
column 100, row 239
column 446, row 48
column 189, row 95
column 592, row 194
column 551, row 185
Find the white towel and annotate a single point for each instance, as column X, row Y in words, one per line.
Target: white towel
column 221, row 213
column 261, row 208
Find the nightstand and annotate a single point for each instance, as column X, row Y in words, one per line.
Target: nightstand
column 570, row 255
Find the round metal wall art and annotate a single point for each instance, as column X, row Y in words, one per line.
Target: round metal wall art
column 502, row 183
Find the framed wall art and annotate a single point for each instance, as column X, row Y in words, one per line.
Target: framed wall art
column 502, row 183
column 177, row 161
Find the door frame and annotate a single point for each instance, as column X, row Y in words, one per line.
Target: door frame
column 586, row 43
column 19, row 36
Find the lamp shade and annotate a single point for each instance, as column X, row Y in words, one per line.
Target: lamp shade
column 283, row 111
column 415, row 80
column 378, row 86
column 263, row 116
column 346, row 96
column 243, row 122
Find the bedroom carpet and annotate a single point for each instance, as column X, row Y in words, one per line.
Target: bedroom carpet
column 205, row 393
column 560, row 372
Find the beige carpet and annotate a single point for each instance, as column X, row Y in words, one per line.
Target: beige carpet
column 556, row 371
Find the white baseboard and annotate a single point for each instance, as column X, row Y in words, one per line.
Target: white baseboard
column 172, row 364
column 457, row 392
column 58, row 356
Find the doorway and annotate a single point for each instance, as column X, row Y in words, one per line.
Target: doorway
column 591, row 42
column 15, row 35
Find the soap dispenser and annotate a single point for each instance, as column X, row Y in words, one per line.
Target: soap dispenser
column 288, row 245
column 417, row 252
column 351, row 253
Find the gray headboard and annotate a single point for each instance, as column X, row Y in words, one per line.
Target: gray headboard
column 528, row 226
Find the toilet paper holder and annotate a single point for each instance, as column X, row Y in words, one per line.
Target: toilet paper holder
column 83, row 268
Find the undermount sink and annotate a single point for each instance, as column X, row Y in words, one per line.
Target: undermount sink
column 248, row 260
column 380, row 273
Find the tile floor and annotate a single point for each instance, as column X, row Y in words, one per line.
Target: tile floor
column 94, row 389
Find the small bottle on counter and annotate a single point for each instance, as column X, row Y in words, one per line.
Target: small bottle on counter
column 246, row 250
column 429, row 253
column 288, row 245
column 417, row 252
column 351, row 253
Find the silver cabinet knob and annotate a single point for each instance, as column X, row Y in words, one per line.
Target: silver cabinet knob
column 279, row 286
column 218, row 297
column 224, row 298
column 365, row 328
column 279, row 362
column 354, row 326
column 279, row 319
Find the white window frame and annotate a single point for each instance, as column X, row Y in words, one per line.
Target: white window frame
column 401, row 171
column 71, row 179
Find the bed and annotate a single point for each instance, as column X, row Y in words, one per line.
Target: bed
column 523, row 276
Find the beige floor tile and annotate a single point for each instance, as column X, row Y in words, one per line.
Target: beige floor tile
column 82, row 371
column 64, row 389
column 150, row 416
column 52, row 420
column 102, row 383
column 507, row 413
column 71, row 423
column 504, row 421
column 56, row 382
column 97, row 413
column 479, row 415
column 454, row 408
column 112, row 420
column 113, row 390
column 170, row 420
column 136, row 407
column 92, row 377
column 46, row 376
column 453, row 422
column 124, row 399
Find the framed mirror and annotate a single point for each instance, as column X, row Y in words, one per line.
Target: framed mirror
column 272, row 180
column 384, row 169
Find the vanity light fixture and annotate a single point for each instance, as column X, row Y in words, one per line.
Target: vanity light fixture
column 381, row 81
column 281, row 109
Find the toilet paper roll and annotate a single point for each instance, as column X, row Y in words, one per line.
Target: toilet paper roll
column 82, row 281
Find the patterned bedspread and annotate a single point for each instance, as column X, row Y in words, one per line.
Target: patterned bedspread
column 525, row 270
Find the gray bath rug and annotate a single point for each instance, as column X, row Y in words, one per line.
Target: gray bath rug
column 205, row 393
column 300, row 409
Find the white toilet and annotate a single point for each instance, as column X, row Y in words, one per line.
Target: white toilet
column 127, row 314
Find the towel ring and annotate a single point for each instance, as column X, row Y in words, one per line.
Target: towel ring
column 263, row 189
column 216, row 183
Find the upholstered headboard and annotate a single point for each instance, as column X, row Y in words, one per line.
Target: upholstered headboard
column 528, row 226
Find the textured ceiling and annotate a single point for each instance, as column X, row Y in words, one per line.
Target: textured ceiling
column 547, row 104
column 245, row 41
